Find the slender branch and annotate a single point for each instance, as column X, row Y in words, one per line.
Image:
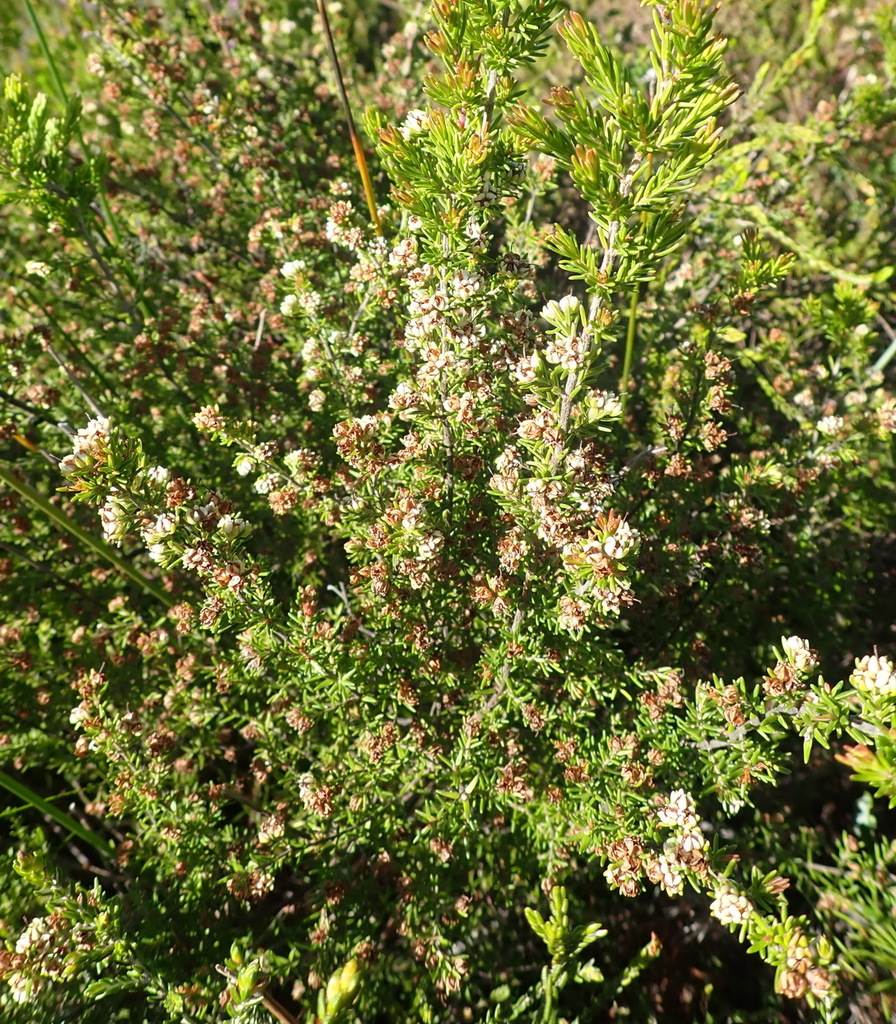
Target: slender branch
column 350, row 121
column 95, row 409
column 884, row 358
column 259, row 334
column 280, row 1012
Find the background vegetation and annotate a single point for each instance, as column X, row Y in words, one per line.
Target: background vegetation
column 478, row 608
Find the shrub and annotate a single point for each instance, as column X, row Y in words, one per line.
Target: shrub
column 420, row 606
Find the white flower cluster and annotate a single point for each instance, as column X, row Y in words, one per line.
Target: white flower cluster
column 161, row 527
column 38, row 937
column 274, row 30
column 874, row 674
column 622, row 542
column 404, row 254
column 270, row 827
column 684, row 850
column 113, row 518
column 591, row 552
column 37, row 941
column 799, row 653
column 830, row 425
column 679, row 812
column 292, row 268
column 602, row 405
column 590, row 561
column 666, row 871
column 431, row 544
column 22, row 987
column 527, row 368
column 308, row 302
column 566, row 352
column 439, row 311
column 88, row 448
column 730, row 907
column 158, row 533
column 564, row 314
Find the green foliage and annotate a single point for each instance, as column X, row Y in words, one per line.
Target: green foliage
column 36, row 164
column 365, row 586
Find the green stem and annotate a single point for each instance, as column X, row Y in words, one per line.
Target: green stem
column 25, row 793
column 94, row 544
column 632, row 327
column 630, row 334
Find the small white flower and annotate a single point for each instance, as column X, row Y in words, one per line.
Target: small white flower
column 670, row 878
column 603, row 404
column 232, row 526
column 196, row 558
column 476, row 233
column 607, row 602
column 203, row 514
column 96, row 430
column 487, row 195
column 243, row 464
column 312, row 301
column 94, row 65
column 690, row 842
column 270, row 827
column 158, row 474
column 415, row 121
column 613, row 548
column 79, row 714
column 289, row 305
column 37, row 936
column 157, row 552
column 527, row 368
column 403, row 254
column 111, row 522
column 74, row 463
column 292, row 268
column 37, row 268
column 23, row 988
column 466, row 284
